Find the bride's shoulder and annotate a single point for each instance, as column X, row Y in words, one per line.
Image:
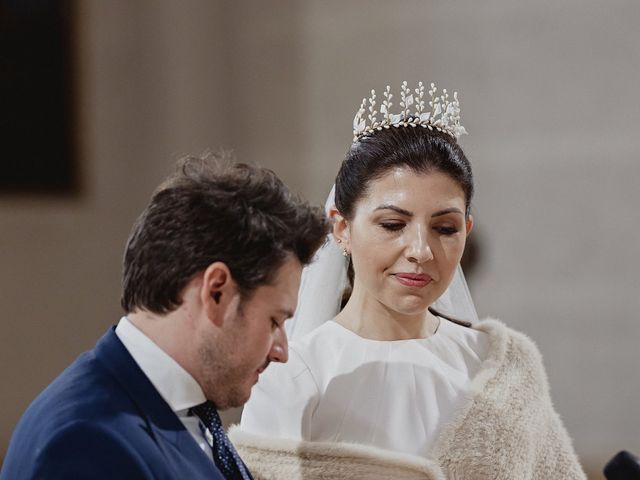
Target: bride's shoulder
column 501, row 334
column 323, row 336
column 318, row 348
column 510, row 347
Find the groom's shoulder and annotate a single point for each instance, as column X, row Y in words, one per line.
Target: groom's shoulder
column 83, row 406
column 84, row 391
column 76, row 447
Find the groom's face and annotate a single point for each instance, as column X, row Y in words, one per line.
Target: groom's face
column 253, row 335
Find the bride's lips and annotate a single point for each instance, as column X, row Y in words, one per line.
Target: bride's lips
column 413, row 279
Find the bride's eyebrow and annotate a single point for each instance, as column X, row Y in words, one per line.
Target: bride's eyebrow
column 446, row 211
column 407, row 213
column 401, row 211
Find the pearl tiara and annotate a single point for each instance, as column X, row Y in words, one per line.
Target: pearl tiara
column 443, row 115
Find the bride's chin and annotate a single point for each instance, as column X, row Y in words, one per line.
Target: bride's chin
column 409, row 306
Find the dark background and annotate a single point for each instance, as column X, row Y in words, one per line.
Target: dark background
column 36, row 92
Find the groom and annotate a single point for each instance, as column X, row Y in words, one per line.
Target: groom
column 211, row 273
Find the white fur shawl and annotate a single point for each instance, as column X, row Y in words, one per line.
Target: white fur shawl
column 506, row 428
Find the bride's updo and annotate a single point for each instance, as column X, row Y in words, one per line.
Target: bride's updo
column 420, row 149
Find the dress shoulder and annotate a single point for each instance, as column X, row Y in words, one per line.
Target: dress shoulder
column 282, row 402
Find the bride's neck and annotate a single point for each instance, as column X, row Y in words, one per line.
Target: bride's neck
column 371, row 319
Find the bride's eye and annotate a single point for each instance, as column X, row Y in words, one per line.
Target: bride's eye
column 446, row 230
column 392, row 226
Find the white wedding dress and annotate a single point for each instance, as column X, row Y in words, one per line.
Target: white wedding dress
column 340, row 387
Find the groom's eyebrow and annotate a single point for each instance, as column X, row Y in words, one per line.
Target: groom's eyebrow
column 401, row 211
column 286, row 313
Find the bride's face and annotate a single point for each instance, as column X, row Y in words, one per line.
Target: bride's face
column 406, row 238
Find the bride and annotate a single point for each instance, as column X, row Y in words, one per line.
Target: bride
column 402, row 382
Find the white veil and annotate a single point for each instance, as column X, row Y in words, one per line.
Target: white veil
column 325, row 278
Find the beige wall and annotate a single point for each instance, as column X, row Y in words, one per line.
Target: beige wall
column 549, row 95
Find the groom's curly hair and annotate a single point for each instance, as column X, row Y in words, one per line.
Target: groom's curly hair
column 214, row 210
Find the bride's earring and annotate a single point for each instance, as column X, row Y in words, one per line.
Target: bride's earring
column 344, row 250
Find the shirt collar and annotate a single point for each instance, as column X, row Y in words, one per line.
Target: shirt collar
column 176, row 386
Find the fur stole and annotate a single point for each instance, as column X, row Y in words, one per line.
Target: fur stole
column 506, row 428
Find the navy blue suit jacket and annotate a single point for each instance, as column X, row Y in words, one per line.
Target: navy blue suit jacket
column 102, row 418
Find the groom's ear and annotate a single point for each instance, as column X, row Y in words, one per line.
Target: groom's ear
column 340, row 228
column 218, row 291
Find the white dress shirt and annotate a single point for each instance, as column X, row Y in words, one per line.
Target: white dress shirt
column 174, row 384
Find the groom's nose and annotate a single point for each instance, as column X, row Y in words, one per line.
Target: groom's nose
column 280, row 347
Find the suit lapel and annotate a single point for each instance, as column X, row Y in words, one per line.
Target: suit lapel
column 177, row 443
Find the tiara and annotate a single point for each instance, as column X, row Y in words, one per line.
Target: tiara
column 443, row 115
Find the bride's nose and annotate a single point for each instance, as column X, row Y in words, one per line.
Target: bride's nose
column 418, row 250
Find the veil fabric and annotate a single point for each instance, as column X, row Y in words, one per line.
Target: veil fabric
column 325, row 278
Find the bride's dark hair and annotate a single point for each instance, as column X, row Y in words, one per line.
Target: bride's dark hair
column 420, row 149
